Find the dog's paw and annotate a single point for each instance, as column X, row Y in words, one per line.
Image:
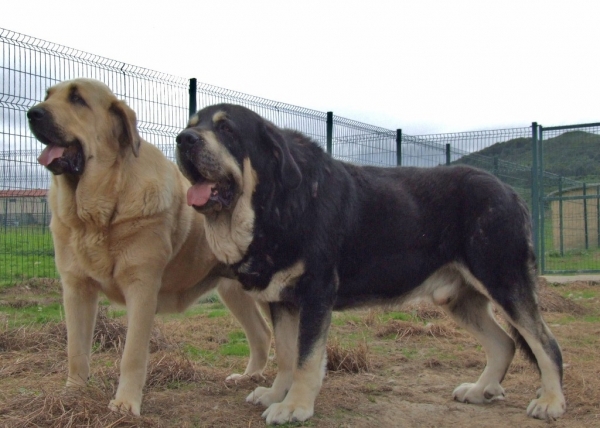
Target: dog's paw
column 265, row 396
column 124, row 406
column 473, row 393
column 75, row 382
column 235, row 377
column 281, row 413
column 547, row 406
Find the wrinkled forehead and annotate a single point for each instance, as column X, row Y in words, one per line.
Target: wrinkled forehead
column 88, row 89
column 207, row 118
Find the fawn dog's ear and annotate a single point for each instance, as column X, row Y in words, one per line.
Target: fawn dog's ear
column 126, row 126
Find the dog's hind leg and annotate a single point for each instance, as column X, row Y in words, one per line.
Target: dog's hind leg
column 472, row 310
column 536, row 340
column 245, row 310
column 514, row 292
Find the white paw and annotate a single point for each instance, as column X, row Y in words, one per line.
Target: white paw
column 265, row 396
column 75, row 383
column 124, row 406
column 281, row 413
column 235, row 377
column 547, row 406
column 473, row 393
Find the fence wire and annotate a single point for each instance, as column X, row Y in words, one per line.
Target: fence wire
column 28, row 66
column 570, row 199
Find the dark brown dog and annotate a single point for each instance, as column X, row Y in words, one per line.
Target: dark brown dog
column 310, row 234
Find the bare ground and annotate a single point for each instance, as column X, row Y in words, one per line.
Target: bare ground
column 384, row 371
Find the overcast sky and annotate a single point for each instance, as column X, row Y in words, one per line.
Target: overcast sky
column 423, row 66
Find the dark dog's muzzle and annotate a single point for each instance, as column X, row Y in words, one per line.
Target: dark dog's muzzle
column 186, row 140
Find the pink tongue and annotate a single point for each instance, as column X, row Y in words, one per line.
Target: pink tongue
column 198, row 194
column 50, row 153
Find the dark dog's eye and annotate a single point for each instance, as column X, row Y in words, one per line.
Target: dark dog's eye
column 75, row 98
column 224, row 126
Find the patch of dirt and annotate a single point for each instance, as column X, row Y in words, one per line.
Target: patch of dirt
column 382, row 373
column 551, row 301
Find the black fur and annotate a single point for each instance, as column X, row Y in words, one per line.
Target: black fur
column 371, row 235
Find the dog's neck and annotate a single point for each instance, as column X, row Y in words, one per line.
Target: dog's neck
column 230, row 232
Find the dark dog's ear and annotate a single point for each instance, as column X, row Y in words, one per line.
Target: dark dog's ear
column 291, row 177
column 126, row 126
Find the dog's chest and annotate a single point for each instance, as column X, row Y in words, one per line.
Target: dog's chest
column 94, row 254
column 267, row 271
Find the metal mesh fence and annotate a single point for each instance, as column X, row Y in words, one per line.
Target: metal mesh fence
column 310, row 122
column 28, row 66
column 364, row 144
column 570, row 189
column 481, row 149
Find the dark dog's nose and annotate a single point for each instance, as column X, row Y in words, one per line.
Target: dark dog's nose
column 187, row 139
column 36, row 113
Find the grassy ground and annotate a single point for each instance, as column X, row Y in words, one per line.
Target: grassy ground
column 26, row 252
column 386, row 367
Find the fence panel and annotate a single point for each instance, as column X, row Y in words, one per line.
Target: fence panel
column 570, row 198
column 28, row 67
column 162, row 103
column 310, row 122
column 487, row 150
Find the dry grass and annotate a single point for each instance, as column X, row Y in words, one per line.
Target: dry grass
column 347, row 359
column 404, row 329
column 371, row 382
column 170, row 369
column 59, row 409
column 109, row 335
column 34, row 338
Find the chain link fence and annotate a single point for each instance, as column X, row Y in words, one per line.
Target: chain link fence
column 163, row 103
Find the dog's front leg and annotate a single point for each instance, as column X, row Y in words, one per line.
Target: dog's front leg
column 80, row 298
column 311, row 362
column 141, row 301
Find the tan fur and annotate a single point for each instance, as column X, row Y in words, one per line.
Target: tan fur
column 286, row 346
column 281, row 280
column 123, row 228
column 230, row 233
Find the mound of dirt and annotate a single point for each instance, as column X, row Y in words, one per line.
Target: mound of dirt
column 551, row 301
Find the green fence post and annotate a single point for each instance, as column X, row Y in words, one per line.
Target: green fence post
column 541, row 201
column 560, row 216
column 447, row 153
column 585, row 218
column 598, row 216
column 193, row 92
column 399, row 148
column 535, row 207
column 330, row 132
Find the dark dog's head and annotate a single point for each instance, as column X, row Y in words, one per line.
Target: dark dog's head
column 79, row 120
column 226, row 150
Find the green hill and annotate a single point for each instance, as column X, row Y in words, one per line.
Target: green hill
column 574, row 154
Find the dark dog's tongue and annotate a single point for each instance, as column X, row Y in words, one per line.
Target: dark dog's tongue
column 50, row 153
column 198, row 194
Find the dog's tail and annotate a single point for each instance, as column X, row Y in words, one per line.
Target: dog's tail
column 523, row 346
